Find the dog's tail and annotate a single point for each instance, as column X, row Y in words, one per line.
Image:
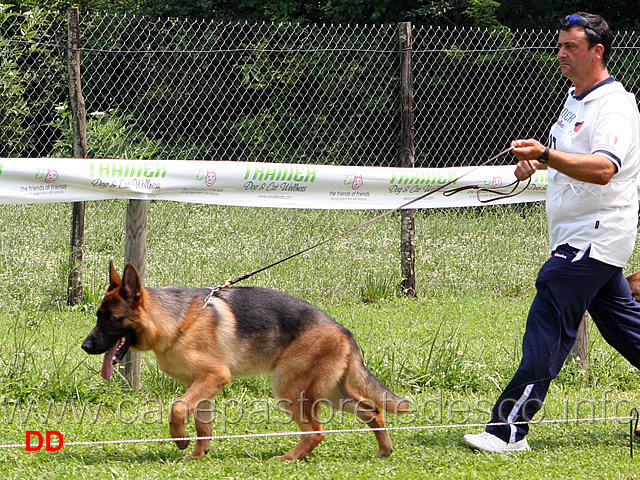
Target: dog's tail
column 371, row 389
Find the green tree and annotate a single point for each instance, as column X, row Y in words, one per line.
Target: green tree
column 520, row 14
column 545, row 14
column 31, row 83
column 323, row 11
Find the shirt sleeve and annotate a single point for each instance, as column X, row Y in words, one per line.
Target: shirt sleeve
column 613, row 135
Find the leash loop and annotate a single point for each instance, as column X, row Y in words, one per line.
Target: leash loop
column 501, row 195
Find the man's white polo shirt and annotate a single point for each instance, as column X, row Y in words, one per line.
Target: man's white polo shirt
column 603, row 121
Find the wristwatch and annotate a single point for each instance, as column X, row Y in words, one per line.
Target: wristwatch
column 544, row 158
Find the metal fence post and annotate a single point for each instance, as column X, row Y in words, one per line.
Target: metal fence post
column 79, row 113
column 407, row 158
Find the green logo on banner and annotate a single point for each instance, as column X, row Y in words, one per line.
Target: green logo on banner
column 423, row 177
column 138, row 169
column 283, row 173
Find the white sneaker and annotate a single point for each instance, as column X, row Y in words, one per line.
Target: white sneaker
column 488, row 442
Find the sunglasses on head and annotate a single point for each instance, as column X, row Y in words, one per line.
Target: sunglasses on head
column 576, row 19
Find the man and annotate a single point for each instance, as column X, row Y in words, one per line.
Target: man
column 592, row 209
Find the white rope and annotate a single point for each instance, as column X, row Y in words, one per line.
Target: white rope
column 292, row 433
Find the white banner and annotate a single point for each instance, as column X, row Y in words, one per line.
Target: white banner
column 41, row 180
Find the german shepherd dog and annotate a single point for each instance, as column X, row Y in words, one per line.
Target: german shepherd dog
column 203, row 340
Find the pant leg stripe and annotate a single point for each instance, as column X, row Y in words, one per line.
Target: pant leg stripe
column 516, row 409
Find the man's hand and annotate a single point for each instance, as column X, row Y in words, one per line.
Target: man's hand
column 527, row 152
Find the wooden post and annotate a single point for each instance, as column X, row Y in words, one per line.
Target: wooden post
column 79, row 115
column 580, row 350
column 407, row 157
column 135, row 251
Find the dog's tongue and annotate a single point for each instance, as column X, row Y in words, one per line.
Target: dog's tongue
column 107, row 363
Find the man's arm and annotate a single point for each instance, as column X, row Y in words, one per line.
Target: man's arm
column 588, row 168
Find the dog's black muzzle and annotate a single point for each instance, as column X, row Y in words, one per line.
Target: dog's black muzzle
column 98, row 341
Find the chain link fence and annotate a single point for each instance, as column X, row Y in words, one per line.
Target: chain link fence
column 321, row 94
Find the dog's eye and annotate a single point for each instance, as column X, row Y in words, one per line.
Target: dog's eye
column 109, row 317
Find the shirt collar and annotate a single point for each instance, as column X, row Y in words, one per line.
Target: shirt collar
column 611, row 79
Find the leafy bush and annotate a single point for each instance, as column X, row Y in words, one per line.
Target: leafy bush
column 109, row 135
column 32, row 80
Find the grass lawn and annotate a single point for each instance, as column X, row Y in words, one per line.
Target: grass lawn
column 450, row 350
column 455, row 388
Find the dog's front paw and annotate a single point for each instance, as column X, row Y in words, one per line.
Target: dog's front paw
column 289, row 457
column 195, row 455
column 180, row 434
column 182, row 444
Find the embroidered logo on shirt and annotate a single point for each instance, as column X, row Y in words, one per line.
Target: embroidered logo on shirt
column 611, row 139
column 578, row 126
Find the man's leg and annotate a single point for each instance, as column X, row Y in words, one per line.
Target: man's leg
column 617, row 315
column 566, row 285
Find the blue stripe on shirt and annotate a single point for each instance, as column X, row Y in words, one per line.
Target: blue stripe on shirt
column 611, row 157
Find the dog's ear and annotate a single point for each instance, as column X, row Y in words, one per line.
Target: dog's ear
column 130, row 288
column 114, row 278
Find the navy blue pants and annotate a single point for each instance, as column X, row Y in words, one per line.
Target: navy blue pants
column 567, row 286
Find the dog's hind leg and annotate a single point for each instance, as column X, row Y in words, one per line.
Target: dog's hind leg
column 307, row 371
column 366, row 410
column 197, row 402
column 305, row 413
column 375, row 419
